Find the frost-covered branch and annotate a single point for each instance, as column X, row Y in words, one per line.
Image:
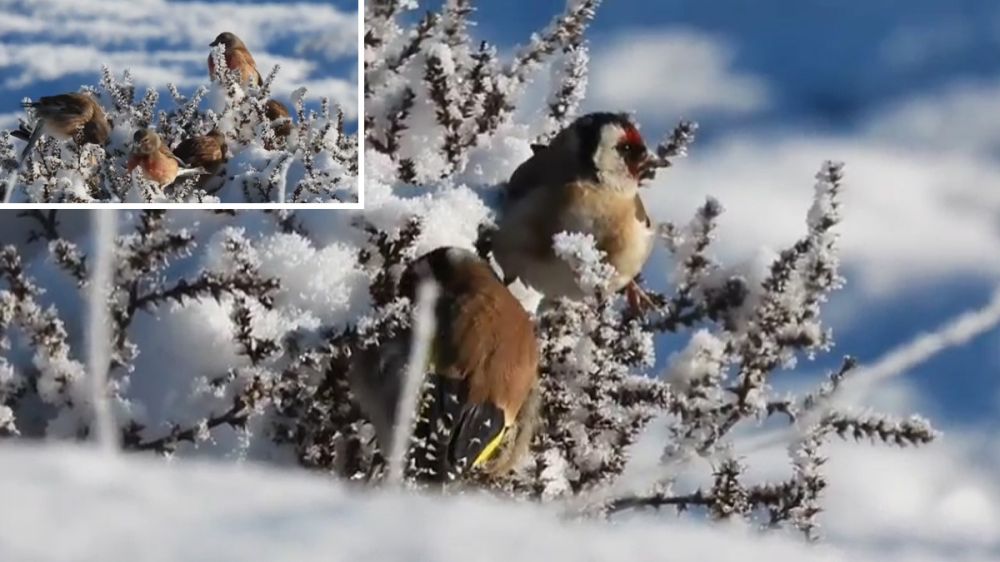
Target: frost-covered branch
column 449, row 114
column 464, row 87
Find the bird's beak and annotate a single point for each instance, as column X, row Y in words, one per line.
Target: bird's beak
column 647, row 168
column 213, row 43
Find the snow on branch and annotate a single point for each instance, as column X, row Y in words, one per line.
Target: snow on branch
column 284, row 388
column 463, row 87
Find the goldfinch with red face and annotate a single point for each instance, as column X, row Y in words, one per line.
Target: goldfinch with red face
column 481, row 374
column 585, row 181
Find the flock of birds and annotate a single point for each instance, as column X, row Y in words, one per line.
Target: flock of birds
column 481, row 387
column 79, row 117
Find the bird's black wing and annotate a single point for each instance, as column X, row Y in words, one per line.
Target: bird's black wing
column 451, row 435
column 475, row 439
column 528, row 176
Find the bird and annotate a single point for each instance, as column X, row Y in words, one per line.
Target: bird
column 208, row 152
column 585, row 181
column 274, row 110
column 74, row 115
column 157, row 162
column 238, row 58
column 480, row 395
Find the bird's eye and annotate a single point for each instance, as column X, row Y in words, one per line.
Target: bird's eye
column 630, row 150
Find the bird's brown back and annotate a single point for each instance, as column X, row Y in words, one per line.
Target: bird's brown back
column 239, row 58
column 274, row 109
column 487, row 338
column 548, row 167
column 68, row 112
column 203, row 150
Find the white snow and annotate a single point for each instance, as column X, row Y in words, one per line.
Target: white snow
column 69, row 503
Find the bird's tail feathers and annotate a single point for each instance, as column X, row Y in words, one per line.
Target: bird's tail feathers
column 22, row 132
column 36, row 133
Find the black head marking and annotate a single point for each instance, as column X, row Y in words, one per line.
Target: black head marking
column 588, row 128
column 438, row 265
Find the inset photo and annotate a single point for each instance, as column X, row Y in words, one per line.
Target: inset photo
column 179, row 102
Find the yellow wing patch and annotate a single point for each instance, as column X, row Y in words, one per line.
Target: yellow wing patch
column 490, row 448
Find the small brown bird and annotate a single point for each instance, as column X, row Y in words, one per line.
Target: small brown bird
column 208, row 152
column 585, row 181
column 238, row 58
column 66, row 116
column 157, row 162
column 274, row 110
column 482, row 370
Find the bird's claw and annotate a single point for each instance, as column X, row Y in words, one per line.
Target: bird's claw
column 639, row 302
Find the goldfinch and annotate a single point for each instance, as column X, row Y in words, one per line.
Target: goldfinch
column 481, row 374
column 585, row 181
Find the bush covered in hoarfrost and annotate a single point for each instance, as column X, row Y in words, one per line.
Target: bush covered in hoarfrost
column 447, row 121
column 309, row 159
column 233, row 332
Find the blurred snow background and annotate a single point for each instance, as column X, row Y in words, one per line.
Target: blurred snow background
column 54, row 46
column 909, row 98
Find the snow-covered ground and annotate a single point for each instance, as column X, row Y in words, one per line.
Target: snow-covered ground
column 74, row 504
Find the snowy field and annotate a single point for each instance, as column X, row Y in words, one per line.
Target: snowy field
column 70, row 503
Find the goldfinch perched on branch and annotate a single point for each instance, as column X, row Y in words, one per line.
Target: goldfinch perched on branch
column 481, row 374
column 585, row 181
